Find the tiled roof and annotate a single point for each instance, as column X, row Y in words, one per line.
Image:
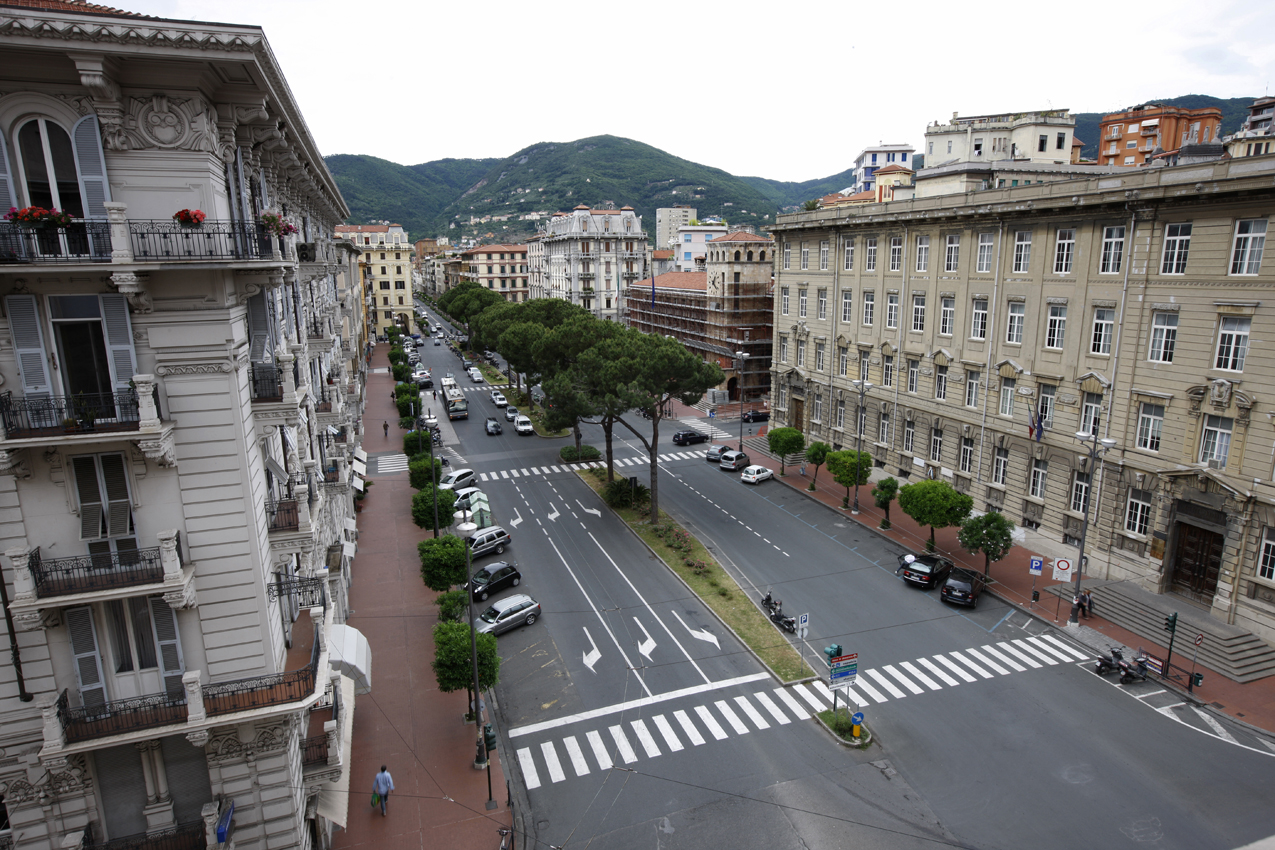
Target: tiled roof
column 363, row 228
column 891, row 169
column 739, row 236
column 663, row 255
column 497, row 247
column 676, row 280
column 70, row 6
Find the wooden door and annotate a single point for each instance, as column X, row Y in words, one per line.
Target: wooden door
column 798, row 419
column 1197, row 560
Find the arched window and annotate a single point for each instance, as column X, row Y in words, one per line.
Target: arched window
column 737, row 256
column 46, row 150
column 762, row 258
column 750, row 256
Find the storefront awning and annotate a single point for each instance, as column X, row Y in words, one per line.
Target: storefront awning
column 351, row 655
column 333, row 799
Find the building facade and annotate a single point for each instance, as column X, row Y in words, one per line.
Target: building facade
column 182, row 402
column 1256, row 136
column 590, row 254
column 1134, row 136
column 537, row 269
column 690, row 245
column 871, row 159
column 992, row 333
column 668, row 220
column 501, row 268
column 387, row 264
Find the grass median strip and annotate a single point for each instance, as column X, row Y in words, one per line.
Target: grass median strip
column 687, row 557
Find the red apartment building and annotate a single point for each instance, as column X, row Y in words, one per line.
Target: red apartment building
column 1131, row 137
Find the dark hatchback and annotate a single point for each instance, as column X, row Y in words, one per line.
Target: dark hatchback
column 493, row 426
column 685, row 438
column 925, row 570
column 963, row 587
column 494, row 578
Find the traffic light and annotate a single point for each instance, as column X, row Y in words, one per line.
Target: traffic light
column 1171, row 623
column 832, row 652
column 489, row 736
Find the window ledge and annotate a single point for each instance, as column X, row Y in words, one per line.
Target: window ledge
column 1034, row 500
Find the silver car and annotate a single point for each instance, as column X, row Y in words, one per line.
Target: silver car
column 505, row 614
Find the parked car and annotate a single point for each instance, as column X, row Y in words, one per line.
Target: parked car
column 494, row 578
column 465, row 498
column 686, row 438
column 498, row 398
column 756, row 475
column 962, row 587
column 926, row 570
column 493, row 426
column 458, row 478
column 733, row 461
column 511, row 413
column 438, row 340
column 505, row 614
column 490, row 539
column 756, row 416
column 715, row 452
column 425, row 382
column 523, row 426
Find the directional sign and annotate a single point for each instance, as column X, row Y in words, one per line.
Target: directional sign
column 591, row 657
column 712, row 414
column 1062, row 569
column 702, row 634
column 844, row 669
column 1037, row 565
column 646, row 646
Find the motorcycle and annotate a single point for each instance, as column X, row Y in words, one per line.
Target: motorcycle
column 768, row 602
column 1135, row 670
column 1110, row 662
column 775, row 608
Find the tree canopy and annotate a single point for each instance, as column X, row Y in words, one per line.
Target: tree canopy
column 849, row 468
column 935, row 503
column 442, row 561
column 784, row 442
column 992, row 534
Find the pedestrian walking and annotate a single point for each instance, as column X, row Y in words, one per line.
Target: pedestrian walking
column 382, row 785
column 803, row 469
column 387, row 429
column 1086, row 603
column 435, row 395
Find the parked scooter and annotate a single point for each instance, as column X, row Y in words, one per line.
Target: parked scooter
column 1110, row 662
column 1135, row 670
column 775, row 608
column 770, row 604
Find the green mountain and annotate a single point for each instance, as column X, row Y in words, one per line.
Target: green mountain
column 1234, row 110
column 411, row 195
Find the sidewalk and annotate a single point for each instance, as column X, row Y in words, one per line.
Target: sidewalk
column 1252, row 703
column 405, row 722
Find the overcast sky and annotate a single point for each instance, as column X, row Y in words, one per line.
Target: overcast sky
column 789, row 91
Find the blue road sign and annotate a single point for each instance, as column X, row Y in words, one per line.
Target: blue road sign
column 1037, row 565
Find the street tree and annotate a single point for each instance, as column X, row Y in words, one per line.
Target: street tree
column 992, row 534
column 423, row 507
column 442, row 562
column 816, row 454
column 849, row 468
column 883, row 494
column 556, row 354
column 784, row 442
column 453, row 661
column 423, row 471
column 453, row 606
column 934, row 503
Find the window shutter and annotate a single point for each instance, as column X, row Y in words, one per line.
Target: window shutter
column 119, row 339
column 28, row 344
column 91, row 165
column 119, row 511
column 90, row 497
column 88, row 662
column 7, row 197
column 164, row 620
column 258, row 327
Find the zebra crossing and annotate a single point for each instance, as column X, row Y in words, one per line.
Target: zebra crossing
column 627, row 742
column 395, row 462
column 533, row 471
column 706, row 426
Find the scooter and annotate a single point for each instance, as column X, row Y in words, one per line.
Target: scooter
column 1110, row 662
column 788, row 624
column 770, row 604
column 1135, row 670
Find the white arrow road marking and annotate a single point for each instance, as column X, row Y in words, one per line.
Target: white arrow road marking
column 513, row 523
column 646, row 646
column 593, row 511
column 702, row 635
column 554, row 516
column 591, row 657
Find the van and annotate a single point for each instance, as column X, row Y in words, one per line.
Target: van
column 732, row 461
column 490, row 539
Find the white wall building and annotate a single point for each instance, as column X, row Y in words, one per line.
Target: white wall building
column 872, row 158
column 668, row 220
column 175, row 458
column 690, row 245
column 588, row 253
column 387, row 258
column 1041, row 136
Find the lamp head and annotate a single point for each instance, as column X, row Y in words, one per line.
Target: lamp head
column 1108, row 443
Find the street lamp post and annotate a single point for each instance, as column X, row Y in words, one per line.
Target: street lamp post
column 1097, row 447
column 741, row 356
column 862, row 386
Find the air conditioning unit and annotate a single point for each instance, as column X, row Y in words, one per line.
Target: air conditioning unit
column 307, row 252
column 1215, row 464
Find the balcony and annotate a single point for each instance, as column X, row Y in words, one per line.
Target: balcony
column 167, row 241
column 53, row 416
column 588, row 275
column 283, row 515
column 90, row 722
column 66, row 576
column 629, row 275
column 191, row 836
column 267, row 384
column 77, row 242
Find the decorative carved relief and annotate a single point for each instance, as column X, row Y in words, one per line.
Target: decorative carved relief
column 224, row 745
column 170, row 123
column 217, row 367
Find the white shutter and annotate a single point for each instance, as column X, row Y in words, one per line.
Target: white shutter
column 258, row 327
column 119, row 510
column 90, row 162
column 164, row 621
column 119, row 340
column 90, row 497
column 88, row 662
column 7, row 196
column 28, row 344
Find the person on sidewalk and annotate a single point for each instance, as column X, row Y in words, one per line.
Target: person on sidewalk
column 382, row 785
column 1086, row 603
column 387, row 429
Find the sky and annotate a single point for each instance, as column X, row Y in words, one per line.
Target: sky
column 790, row 91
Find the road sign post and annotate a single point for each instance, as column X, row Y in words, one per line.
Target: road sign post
column 1035, row 567
column 1190, row 684
column 1062, row 572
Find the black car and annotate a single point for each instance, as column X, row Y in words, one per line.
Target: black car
column 494, row 578
column 685, row 438
column 963, row 587
column 925, row 570
column 425, row 383
column 493, row 426
column 756, row 416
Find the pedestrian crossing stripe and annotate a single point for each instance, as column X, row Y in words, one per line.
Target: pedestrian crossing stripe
column 553, row 470
column 630, row 741
column 386, row 464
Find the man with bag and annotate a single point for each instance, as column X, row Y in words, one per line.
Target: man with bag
column 381, row 788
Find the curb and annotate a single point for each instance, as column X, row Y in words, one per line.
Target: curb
column 865, row 739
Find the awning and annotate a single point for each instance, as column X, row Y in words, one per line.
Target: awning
column 333, row 799
column 351, row 655
column 334, row 431
column 360, row 467
column 273, row 466
column 351, row 524
column 358, row 483
column 347, row 549
column 360, row 454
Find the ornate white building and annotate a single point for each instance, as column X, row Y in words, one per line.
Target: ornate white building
column 180, row 405
column 589, row 253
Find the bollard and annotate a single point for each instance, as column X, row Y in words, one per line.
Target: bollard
column 856, row 721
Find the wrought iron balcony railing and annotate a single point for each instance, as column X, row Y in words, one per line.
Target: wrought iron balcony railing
column 86, row 573
column 263, row 691
column 50, row 415
column 266, row 383
column 314, row 750
column 88, row 722
column 212, row 240
column 283, row 515
column 77, row 242
column 189, row 836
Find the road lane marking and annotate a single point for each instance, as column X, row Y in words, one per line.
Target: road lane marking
column 1046, row 646
column 703, row 634
column 1033, row 650
column 1214, row 725
column 883, row 682
column 666, row 730
column 551, row 762
column 591, row 657
column 1065, row 647
column 529, row 776
column 689, row 728
column 769, row 704
column 1015, row 652
column 644, row 738
column 1152, row 694
column 731, row 717
column 576, row 755
column 991, row 650
column 808, row 697
column 647, row 646
column 970, row 664
column 622, row 745
column 938, row 671
column 924, row 679
column 714, row 728
column 640, row 702
column 983, row 659
column 599, row 750
column 793, row 705
column 907, row 683
column 504, row 473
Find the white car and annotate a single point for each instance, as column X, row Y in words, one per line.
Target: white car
column 498, row 398
column 476, row 376
column 523, row 425
column 458, row 479
column 756, row 474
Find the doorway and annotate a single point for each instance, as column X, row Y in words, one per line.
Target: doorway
column 798, row 419
column 1197, row 560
